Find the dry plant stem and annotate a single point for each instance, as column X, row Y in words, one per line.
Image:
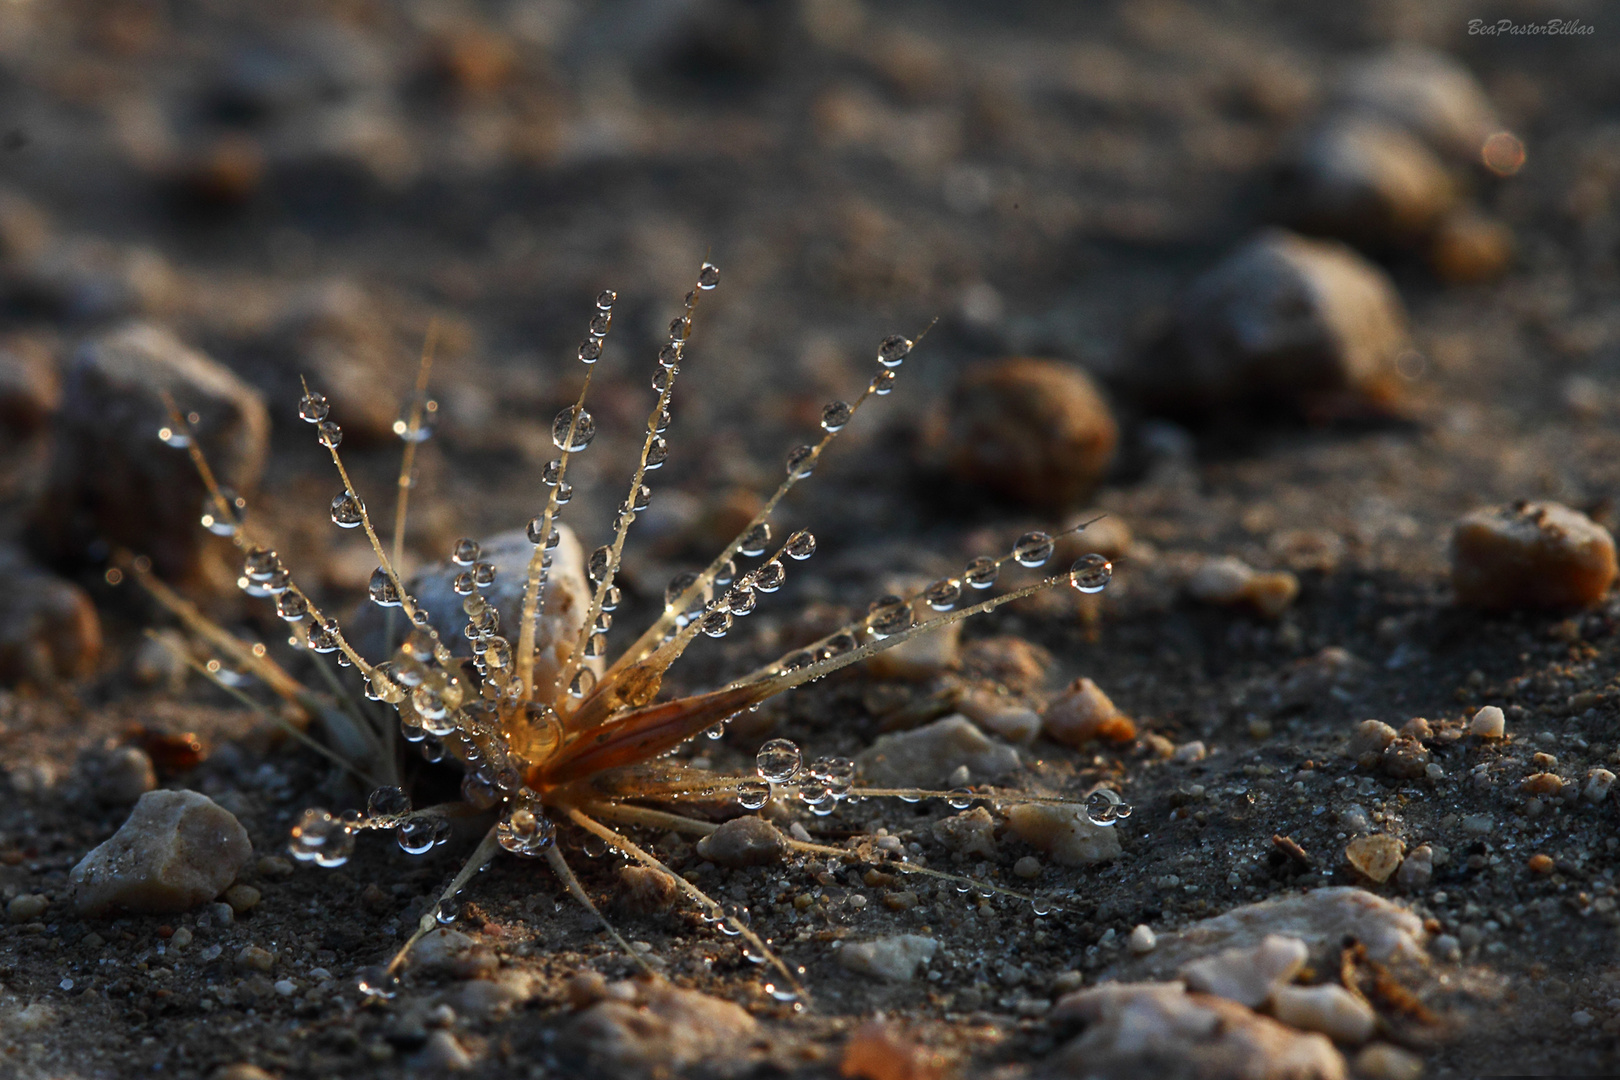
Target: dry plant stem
column 537, row 566
column 709, row 905
column 485, row 851
column 565, row 874
column 599, row 595
column 406, row 601
column 407, row 464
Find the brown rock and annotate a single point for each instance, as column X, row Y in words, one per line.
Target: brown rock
column 644, row 890
column 49, row 629
column 1036, row 431
column 1426, row 92
column 878, row 1051
column 1405, row 759
column 177, row 849
column 1470, row 247
column 1367, row 181
column 1282, row 320
column 1064, row 833
column 972, row 832
column 1530, row 555
column 743, row 841
column 113, row 480
column 1375, row 856
column 30, row 388
column 1083, row 713
column 666, row 1027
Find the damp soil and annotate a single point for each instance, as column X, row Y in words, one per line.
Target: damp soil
column 1039, row 177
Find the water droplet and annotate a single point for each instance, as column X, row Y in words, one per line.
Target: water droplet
column 526, row 832
column 893, row 350
column 801, row 462
column 1105, row 807
column 584, row 682
column 260, row 563
column 801, row 545
column 565, row 493
column 726, row 574
column 641, row 498
column 679, row 327
column 883, row 383
column 835, row 415
column 292, row 606
column 838, row 773
column 959, row 798
column 981, row 573
column 348, row 511
column 382, row 590
column 769, row 576
column 708, row 276
column 483, row 574
column 224, row 516
column 1091, row 573
column 612, row 598
column 1033, row 549
column 741, row 601
column 330, row 434
column 321, row 839
column 376, row 982
column 597, row 566
column 943, row 594
column 596, row 645
column 796, row 660
column 669, row 359
column 478, row 786
column 387, row 805
column 1041, row 906
column 778, row 761
column 323, row 636
column 552, row 473
column 313, row 407
column 888, row 615
column 657, row 453
column 814, row 792
column 753, row 794
column 716, row 623
column 447, row 912
column 601, row 323
column 606, row 299
column 465, row 551
column 838, row 645
column 584, row 430
column 415, row 836
column 590, row 350
column 756, row 539
column 677, row 586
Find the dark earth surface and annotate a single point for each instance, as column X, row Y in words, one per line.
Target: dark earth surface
column 1041, row 178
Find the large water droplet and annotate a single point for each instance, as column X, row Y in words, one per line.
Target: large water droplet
column 801, row 545
column 943, row 594
column 606, row 299
column 590, row 350
column 838, row 773
column 224, row 516
column 716, row 623
column 382, row 590
column 321, row 839
column 1105, row 807
column 323, row 636
column 387, row 805
column 1033, row 549
column 1091, row 573
column 292, row 606
column 677, row 586
column 483, row 574
column 888, row 615
column 465, row 551
column 584, row 682
column 330, row 434
column 981, row 573
column 376, row 982
column 893, row 350
column 526, row 832
column 778, row 761
column 883, row 383
column 769, row 576
column 415, row 836
column 313, row 407
column 959, row 798
column 708, row 276
column 753, row 794
column 348, row 511
column 801, row 462
column 835, row 415
column 260, row 563
column 756, row 539
column 584, row 430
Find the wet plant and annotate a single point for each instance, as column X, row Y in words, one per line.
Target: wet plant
column 547, row 729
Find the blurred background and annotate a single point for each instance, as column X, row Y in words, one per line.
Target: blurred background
column 272, row 191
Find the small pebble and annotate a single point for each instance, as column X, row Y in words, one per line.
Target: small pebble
column 176, row 850
column 928, row 756
column 1142, row 939
column 1329, row 1008
column 1028, row 868
column 1368, row 741
column 1375, row 856
column 27, row 907
column 972, row 832
column 998, row 715
column 1367, row 181
column 646, row 889
column 181, row 938
column 1540, row 864
column 1478, row 824
column 878, row 1051
column 1448, row 948
column 1083, row 713
column 241, row 1070
column 1189, row 752
column 442, row 1053
column 1035, row 431
column 1470, row 247
column 1598, row 783
column 242, row 898
column 1530, row 556
column 274, row 866
column 1064, row 833
column 1543, row 784
column 743, row 841
column 1488, row 723
column 255, row 958
column 1381, row 1061
column 125, row 775
column 894, row 958
column 1416, row 869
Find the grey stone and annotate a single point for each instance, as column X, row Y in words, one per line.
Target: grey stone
column 176, row 850
column 927, row 756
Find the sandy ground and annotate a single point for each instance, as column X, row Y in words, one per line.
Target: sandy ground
column 1042, row 180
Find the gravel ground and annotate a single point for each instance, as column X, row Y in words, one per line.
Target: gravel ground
column 1042, row 179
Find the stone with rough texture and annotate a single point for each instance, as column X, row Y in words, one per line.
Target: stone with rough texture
column 1065, row 833
column 1035, row 431
column 743, row 841
column 928, row 756
column 1083, row 713
column 1368, row 181
column 664, row 1027
column 1329, row 1009
column 1136, row 1030
column 1249, row 975
column 972, row 832
column 1281, row 320
column 894, row 958
column 1530, row 555
column 177, row 849
column 568, row 597
column 113, row 480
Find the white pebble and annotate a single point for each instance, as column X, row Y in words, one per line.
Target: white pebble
column 1598, row 783
column 1189, row 752
column 286, row 987
column 893, row 958
column 1381, row 1061
column 1143, row 939
column 1581, row 1018
column 1247, row 975
column 1329, row 1008
column 1488, row 723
